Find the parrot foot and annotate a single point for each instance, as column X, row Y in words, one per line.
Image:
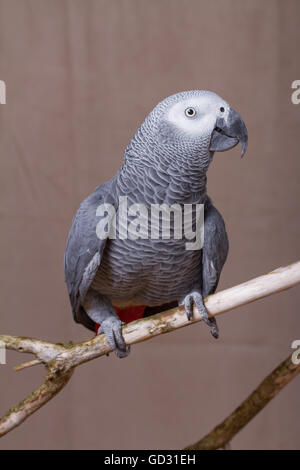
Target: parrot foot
column 112, row 328
column 195, row 298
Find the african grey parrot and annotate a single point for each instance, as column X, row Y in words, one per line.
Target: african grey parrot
column 165, row 163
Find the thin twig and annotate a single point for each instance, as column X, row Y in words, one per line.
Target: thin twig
column 60, row 360
column 25, row 365
column 222, row 434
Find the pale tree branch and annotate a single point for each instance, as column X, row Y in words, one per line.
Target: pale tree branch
column 222, row 434
column 54, row 382
column 25, row 365
column 60, row 360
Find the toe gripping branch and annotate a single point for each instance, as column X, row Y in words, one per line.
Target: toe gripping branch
column 127, row 314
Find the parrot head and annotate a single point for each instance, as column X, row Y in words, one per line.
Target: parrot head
column 202, row 118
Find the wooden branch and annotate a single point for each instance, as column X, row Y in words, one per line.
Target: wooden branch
column 25, row 365
column 222, row 434
column 54, row 382
column 60, row 360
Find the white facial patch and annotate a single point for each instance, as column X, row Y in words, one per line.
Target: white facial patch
column 207, row 107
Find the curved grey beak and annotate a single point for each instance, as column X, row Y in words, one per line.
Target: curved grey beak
column 228, row 133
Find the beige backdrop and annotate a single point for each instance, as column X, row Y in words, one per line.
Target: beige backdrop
column 81, row 76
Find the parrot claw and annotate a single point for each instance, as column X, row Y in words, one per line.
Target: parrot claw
column 195, row 298
column 112, row 328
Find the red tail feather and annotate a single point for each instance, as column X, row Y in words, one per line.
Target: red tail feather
column 127, row 314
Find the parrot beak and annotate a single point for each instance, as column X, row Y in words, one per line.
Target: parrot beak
column 228, row 133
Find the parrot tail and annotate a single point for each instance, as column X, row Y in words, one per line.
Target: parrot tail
column 135, row 312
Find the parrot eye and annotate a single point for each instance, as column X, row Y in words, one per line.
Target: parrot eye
column 190, row 112
column 222, row 109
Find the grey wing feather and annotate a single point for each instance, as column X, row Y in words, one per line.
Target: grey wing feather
column 84, row 250
column 215, row 249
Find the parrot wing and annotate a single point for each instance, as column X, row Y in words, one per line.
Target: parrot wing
column 84, row 249
column 215, row 249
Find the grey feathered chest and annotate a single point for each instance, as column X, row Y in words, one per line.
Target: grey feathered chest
column 147, row 271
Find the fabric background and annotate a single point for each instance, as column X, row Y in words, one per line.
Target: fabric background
column 81, row 76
